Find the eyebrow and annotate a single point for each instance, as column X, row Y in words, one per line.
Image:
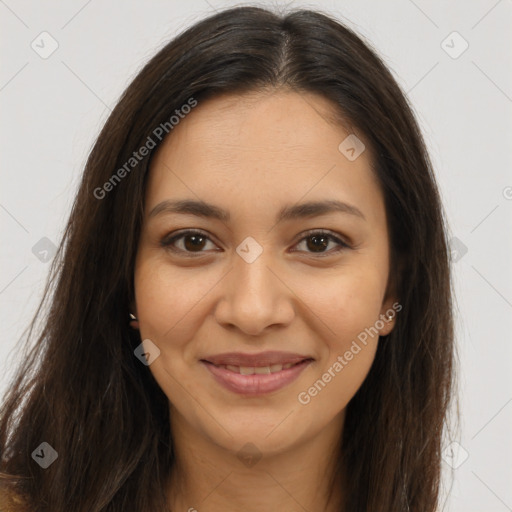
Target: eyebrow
column 290, row 212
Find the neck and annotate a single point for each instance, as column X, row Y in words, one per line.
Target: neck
column 207, row 477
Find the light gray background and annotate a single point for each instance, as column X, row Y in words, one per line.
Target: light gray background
column 53, row 108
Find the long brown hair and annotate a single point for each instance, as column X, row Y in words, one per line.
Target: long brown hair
column 80, row 388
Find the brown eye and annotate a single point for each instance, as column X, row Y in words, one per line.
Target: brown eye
column 194, row 242
column 187, row 242
column 318, row 242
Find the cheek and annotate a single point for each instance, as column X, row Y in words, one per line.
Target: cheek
column 167, row 298
column 167, row 301
column 347, row 303
column 349, row 307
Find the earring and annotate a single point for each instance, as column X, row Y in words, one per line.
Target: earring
column 134, row 323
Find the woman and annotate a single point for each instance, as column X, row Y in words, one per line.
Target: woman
column 251, row 305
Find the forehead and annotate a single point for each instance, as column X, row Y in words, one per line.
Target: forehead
column 256, row 149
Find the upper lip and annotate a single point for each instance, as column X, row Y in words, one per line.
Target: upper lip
column 253, row 360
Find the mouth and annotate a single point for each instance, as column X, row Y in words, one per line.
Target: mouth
column 268, row 359
column 258, row 379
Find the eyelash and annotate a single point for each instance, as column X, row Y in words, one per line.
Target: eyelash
column 167, row 242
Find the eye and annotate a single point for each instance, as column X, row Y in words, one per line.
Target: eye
column 193, row 242
column 316, row 241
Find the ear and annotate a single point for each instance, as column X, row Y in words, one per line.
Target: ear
column 390, row 308
column 391, row 304
column 134, row 322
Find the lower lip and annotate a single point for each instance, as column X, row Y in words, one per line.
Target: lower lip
column 256, row 384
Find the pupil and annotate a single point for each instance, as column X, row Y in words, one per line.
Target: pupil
column 317, row 244
column 196, row 242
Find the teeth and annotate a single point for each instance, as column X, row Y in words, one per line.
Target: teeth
column 248, row 370
column 261, row 370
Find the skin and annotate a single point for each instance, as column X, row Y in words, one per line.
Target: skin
column 253, row 154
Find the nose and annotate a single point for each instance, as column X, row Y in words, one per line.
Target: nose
column 254, row 297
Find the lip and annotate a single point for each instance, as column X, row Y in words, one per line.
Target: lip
column 256, row 384
column 255, row 360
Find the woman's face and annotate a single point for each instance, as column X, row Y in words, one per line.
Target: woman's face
column 264, row 273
